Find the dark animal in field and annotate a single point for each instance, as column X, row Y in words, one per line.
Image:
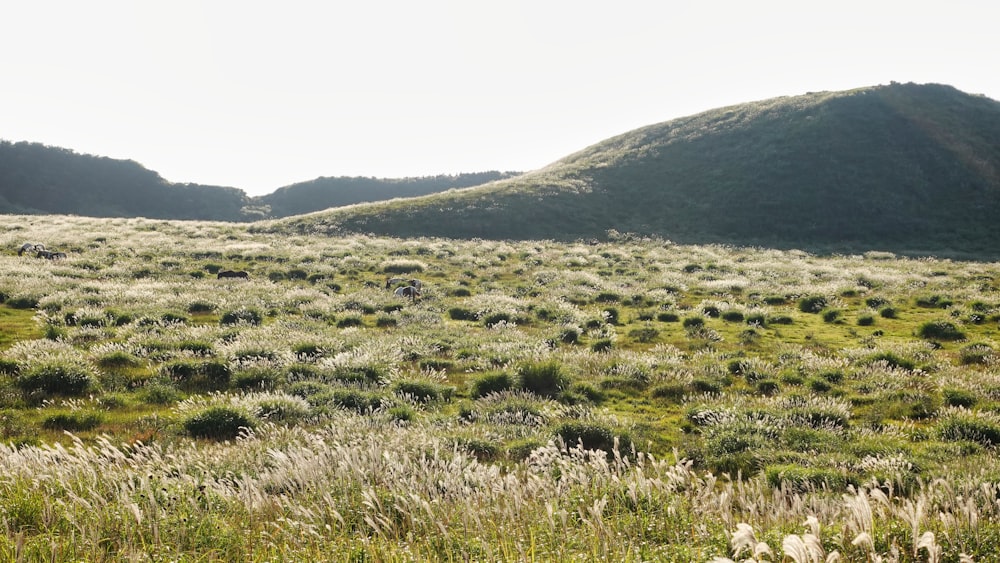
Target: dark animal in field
column 50, row 255
column 233, row 274
column 30, row 247
column 412, row 283
column 407, row 291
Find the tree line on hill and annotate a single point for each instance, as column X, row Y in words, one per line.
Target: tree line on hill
column 41, row 179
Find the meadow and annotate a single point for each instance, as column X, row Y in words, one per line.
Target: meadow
column 634, row 400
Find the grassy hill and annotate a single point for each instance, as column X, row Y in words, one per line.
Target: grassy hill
column 40, row 179
column 324, row 193
column 907, row 168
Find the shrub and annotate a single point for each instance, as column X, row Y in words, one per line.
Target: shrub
column 543, row 378
column 767, row 387
column 170, row 318
column 241, row 316
column 780, row 320
column 403, row 267
column 402, row 413
column 975, row 354
column 611, row 316
column 72, row 421
column 592, row 436
column 831, row 315
column 673, row 392
column 933, row 302
column 644, row 335
column 22, row 302
column 282, row 409
column 959, row 398
column 491, row 383
column 481, row 449
column 424, row 391
column 866, row 320
column 118, row 359
column 461, row 314
column 348, row 322
column 888, row 313
column 357, row 400
column 693, row 322
column 702, row 385
column 200, row 307
column 160, row 394
column 570, row 335
column 9, row 367
column 812, row 304
column 370, row 374
column 893, row 360
column 799, row 479
column 602, row 345
column 218, row 423
column 586, row 391
column 196, row 347
column 668, row 317
column 254, row 378
column 56, row 379
column 968, row 426
column 307, row 389
column 940, row 330
column 876, row 302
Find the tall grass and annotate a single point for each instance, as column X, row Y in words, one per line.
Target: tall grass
column 450, row 437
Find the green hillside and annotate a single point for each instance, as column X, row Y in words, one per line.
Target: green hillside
column 907, row 168
column 324, row 193
column 40, row 179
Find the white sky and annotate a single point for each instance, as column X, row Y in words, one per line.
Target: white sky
column 259, row 95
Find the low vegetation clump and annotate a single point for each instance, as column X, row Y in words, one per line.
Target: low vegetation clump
column 629, row 401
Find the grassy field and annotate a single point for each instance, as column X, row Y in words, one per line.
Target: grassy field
column 634, row 400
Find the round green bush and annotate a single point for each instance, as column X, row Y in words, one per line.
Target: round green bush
column 693, row 322
column 940, row 330
column 733, row 316
column 56, row 379
column 461, row 314
column 218, row 423
column 592, row 436
column 668, row 317
column 423, row 391
column 812, row 304
column 238, row 316
column 491, row 383
column 545, row 379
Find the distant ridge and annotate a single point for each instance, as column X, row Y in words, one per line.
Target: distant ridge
column 908, row 168
column 40, row 179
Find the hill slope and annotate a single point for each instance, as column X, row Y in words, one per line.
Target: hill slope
column 36, row 178
column 323, row 193
column 39, row 179
column 905, row 167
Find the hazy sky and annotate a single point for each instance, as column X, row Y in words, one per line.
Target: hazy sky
column 259, row 95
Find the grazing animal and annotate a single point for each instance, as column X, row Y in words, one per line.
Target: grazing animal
column 50, row 255
column 410, row 291
column 393, row 281
column 30, row 247
column 233, row 274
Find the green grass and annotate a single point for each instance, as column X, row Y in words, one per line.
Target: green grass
column 440, row 436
